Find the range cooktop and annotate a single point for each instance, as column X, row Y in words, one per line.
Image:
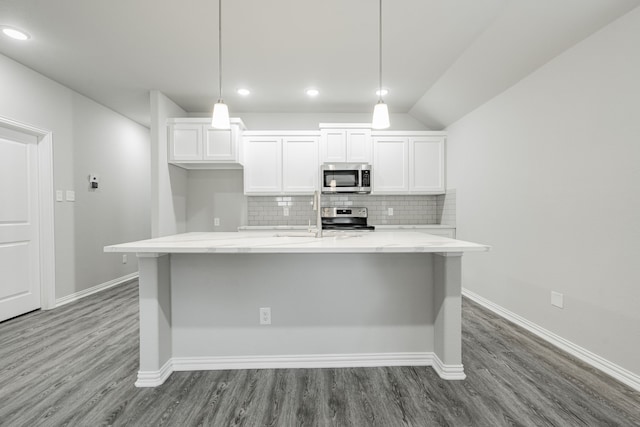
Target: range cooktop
column 335, row 218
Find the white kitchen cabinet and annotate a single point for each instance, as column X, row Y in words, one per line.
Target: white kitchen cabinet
column 185, row 142
column 390, row 165
column 194, row 144
column 352, row 145
column 262, row 164
column 409, row 163
column 300, row 165
column 426, row 165
column 281, row 162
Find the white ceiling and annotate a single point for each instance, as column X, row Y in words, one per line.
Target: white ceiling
column 442, row 58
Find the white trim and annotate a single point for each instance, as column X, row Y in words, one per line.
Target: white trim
column 302, row 361
column 609, row 368
column 45, row 208
column 95, row 289
column 154, row 378
column 47, row 238
column 448, row 372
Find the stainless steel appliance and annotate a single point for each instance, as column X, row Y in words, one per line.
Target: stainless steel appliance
column 346, row 178
column 347, row 218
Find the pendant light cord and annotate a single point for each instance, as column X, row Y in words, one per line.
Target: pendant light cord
column 220, row 46
column 380, row 48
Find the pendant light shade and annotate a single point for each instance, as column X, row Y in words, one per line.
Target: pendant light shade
column 380, row 111
column 220, row 118
column 380, row 116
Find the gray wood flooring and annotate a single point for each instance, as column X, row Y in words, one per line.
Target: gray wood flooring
column 76, row 366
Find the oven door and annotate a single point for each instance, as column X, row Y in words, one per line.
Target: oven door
column 341, row 181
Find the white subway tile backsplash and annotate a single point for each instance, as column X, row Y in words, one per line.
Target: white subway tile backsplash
column 407, row 210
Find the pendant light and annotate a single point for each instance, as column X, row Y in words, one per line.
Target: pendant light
column 380, row 111
column 220, row 119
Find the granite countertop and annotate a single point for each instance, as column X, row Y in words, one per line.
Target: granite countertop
column 298, row 242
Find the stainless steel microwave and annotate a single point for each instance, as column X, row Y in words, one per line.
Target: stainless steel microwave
column 345, row 178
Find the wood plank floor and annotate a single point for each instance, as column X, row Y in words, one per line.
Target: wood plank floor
column 76, row 366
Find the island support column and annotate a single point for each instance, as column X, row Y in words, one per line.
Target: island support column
column 155, row 319
column 447, row 306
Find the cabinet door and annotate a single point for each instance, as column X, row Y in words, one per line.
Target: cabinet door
column 219, row 145
column 185, row 142
column 333, row 145
column 359, row 146
column 390, row 165
column 300, row 168
column 426, row 165
column 262, row 165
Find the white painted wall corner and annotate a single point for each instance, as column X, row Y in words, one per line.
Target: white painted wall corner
column 95, row 289
column 619, row 373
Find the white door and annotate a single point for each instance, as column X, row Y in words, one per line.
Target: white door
column 19, row 238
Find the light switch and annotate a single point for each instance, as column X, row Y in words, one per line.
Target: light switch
column 59, row 196
column 71, row 196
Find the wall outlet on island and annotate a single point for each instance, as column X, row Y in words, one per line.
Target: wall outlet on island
column 265, row 315
column 557, row 299
column 216, row 222
column 124, row 258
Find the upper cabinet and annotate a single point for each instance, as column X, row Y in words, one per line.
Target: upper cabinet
column 281, row 162
column 345, row 143
column 408, row 162
column 194, row 144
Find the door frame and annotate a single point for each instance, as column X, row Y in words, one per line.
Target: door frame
column 45, row 208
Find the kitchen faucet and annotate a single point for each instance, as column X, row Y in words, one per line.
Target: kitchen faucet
column 317, row 206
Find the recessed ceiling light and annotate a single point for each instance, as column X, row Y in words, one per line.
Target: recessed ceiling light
column 382, row 92
column 15, row 33
column 312, row 92
column 243, row 91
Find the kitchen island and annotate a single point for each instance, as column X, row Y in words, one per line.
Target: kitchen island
column 346, row 299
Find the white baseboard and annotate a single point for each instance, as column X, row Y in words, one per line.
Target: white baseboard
column 610, row 368
column 155, row 378
column 95, row 289
column 448, row 372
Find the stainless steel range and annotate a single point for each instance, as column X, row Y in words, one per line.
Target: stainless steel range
column 346, row 218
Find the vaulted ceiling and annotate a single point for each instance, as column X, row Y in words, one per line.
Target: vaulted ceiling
column 441, row 58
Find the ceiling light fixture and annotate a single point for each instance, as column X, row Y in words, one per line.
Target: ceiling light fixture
column 220, row 118
column 380, row 111
column 312, row 92
column 243, row 92
column 14, row 33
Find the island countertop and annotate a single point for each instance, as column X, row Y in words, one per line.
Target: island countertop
column 298, row 242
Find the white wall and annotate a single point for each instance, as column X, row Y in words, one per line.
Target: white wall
column 548, row 174
column 168, row 182
column 215, row 194
column 87, row 137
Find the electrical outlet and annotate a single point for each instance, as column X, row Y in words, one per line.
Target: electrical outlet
column 286, row 211
column 216, row 222
column 390, row 211
column 124, row 258
column 265, row 315
column 59, row 196
column 557, row 299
